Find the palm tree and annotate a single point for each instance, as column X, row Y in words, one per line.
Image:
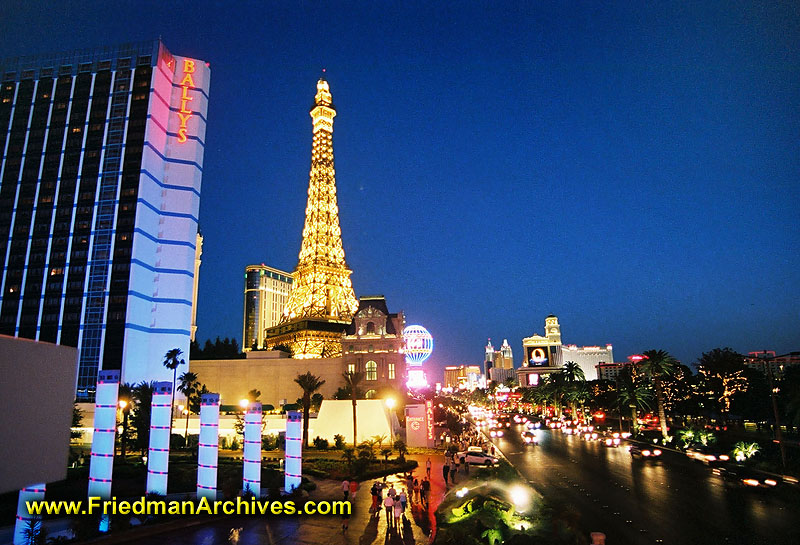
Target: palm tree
column 657, row 364
column 353, row 379
column 573, row 372
column 633, row 394
column 310, row 384
column 573, row 376
column 172, row 362
column 189, row 386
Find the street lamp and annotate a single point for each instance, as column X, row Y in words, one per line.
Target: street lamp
column 390, row 403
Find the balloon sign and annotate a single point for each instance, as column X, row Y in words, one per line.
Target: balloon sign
column 418, row 344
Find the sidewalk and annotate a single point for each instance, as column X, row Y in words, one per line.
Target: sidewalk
column 365, row 528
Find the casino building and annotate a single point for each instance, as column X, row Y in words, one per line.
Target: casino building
column 102, row 160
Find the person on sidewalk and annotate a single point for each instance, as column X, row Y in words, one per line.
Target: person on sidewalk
column 392, row 492
column 453, row 471
column 425, row 489
column 353, row 489
column 388, row 505
column 415, row 492
column 398, row 512
column 428, row 467
column 345, row 489
column 374, row 492
column 445, row 471
column 403, row 500
column 410, row 487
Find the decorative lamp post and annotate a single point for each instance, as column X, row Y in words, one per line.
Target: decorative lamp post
column 158, row 453
column 101, row 466
column 29, row 493
column 294, row 451
column 208, row 446
column 252, row 450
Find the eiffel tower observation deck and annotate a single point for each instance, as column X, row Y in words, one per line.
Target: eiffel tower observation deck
column 322, row 303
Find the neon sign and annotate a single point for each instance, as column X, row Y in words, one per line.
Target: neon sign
column 429, row 418
column 186, row 83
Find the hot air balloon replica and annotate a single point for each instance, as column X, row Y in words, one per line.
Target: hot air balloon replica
column 418, row 345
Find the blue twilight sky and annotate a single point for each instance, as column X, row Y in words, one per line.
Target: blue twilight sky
column 633, row 170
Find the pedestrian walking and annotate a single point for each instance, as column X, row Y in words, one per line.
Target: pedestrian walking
column 428, row 467
column 392, row 492
column 353, row 489
column 416, row 490
column 398, row 512
column 374, row 492
column 346, row 489
column 403, row 500
column 445, row 471
column 453, row 471
column 425, row 489
column 388, row 505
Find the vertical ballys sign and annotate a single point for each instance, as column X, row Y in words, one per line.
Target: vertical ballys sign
column 185, row 113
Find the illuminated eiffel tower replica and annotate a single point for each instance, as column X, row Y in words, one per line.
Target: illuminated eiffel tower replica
column 321, row 303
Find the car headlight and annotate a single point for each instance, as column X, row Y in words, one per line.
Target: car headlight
column 656, row 452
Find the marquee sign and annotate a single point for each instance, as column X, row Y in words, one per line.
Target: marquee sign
column 429, row 420
column 185, row 113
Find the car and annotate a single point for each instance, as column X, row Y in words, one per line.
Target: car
column 707, row 455
column 745, row 476
column 530, row 437
column 612, row 440
column 477, row 458
column 496, row 432
column 643, row 451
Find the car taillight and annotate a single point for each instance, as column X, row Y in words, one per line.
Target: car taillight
column 645, row 453
column 770, row 482
column 724, row 457
column 750, row 482
column 656, row 452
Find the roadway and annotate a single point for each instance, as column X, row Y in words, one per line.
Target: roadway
column 673, row 500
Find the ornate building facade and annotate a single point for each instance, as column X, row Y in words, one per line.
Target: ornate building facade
column 322, row 302
column 373, row 345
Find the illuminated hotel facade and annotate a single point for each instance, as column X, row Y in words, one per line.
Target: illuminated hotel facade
column 102, row 160
column 266, row 291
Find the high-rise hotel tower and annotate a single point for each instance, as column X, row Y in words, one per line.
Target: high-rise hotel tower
column 102, row 158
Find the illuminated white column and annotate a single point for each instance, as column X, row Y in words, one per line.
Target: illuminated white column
column 292, row 467
column 252, row 450
column 101, row 465
column 29, row 493
column 160, row 425
column 208, row 445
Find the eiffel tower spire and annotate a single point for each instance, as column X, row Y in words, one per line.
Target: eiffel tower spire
column 322, row 297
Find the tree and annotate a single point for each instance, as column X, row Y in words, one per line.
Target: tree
column 656, row 365
column 172, row 359
column 353, row 379
column 310, row 384
column 189, row 386
column 142, row 395
column 633, row 394
column 722, row 370
column 77, row 417
column 402, row 449
column 573, row 377
column 316, row 402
